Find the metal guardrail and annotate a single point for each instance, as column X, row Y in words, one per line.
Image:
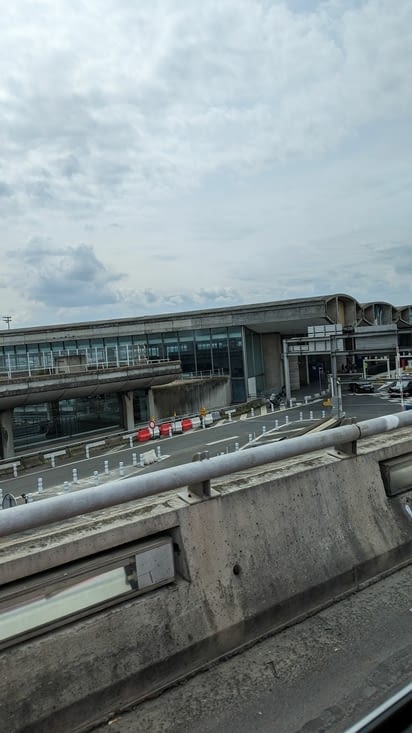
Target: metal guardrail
column 58, row 508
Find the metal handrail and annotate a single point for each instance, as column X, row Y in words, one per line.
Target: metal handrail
column 58, row 508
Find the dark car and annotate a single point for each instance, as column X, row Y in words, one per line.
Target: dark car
column 404, row 386
column 358, row 387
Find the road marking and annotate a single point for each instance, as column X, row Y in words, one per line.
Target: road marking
column 223, row 440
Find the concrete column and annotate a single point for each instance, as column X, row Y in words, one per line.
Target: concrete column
column 127, row 410
column 6, row 434
column 272, row 367
column 151, row 403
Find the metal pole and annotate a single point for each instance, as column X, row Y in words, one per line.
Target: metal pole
column 57, row 508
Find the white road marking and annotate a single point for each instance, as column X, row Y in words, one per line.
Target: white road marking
column 223, row 440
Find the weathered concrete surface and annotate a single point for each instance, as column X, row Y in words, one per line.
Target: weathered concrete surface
column 273, row 546
column 319, row 676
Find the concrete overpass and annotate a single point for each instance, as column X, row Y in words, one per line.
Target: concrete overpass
column 54, row 387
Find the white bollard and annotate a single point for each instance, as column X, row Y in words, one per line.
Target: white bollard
column 106, row 468
column 121, row 468
column 323, row 413
column 158, row 451
column 301, row 416
column 66, row 487
column 252, row 412
column 171, row 432
column 87, row 452
column 53, row 462
column 134, row 459
column 236, row 446
column 263, row 429
column 15, row 470
column 306, row 399
column 311, row 415
column 40, row 485
column 141, row 460
column 29, row 498
column 96, row 477
column 75, row 478
column 286, row 419
column 131, row 441
column 250, row 437
column 276, row 423
column 272, row 407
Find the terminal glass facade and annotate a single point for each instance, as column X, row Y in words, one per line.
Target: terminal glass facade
column 234, row 351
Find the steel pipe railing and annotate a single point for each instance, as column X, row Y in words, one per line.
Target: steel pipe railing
column 57, row 508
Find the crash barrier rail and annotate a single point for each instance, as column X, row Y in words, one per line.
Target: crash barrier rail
column 76, row 478
column 58, row 508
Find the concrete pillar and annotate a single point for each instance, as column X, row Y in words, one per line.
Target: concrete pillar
column 151, row 403
column 271, row 351
column 127, row 410
column 6, row 434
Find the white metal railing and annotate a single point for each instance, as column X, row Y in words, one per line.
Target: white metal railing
column 58, row 508
column 52, row 366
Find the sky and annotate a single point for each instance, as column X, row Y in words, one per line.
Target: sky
column 160, row 156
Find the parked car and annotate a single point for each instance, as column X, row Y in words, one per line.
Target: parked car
column 404, row 386
column 363, row 386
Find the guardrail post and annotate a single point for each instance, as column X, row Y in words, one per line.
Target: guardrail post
column 202, row 489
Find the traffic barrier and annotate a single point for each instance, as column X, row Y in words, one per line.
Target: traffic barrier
column 149, row 457
column 143, row 435
column 186, row 424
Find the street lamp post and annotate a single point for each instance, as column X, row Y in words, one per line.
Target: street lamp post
column 7, row 319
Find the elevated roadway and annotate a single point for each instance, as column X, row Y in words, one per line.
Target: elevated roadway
column 284, row 533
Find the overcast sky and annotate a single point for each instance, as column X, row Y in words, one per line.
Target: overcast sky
column 166, row 155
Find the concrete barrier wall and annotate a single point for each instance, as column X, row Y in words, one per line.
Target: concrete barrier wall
column 270, row 547
column 184, row 398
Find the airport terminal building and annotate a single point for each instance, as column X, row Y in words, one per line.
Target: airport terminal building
column 256, row 348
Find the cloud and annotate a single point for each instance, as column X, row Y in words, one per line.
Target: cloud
column 66, row 278
column 236, row 148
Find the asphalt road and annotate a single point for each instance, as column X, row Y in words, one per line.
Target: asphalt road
column 219, row 438
column 321, row 675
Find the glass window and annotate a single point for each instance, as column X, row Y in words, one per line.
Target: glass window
column 59, row 595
